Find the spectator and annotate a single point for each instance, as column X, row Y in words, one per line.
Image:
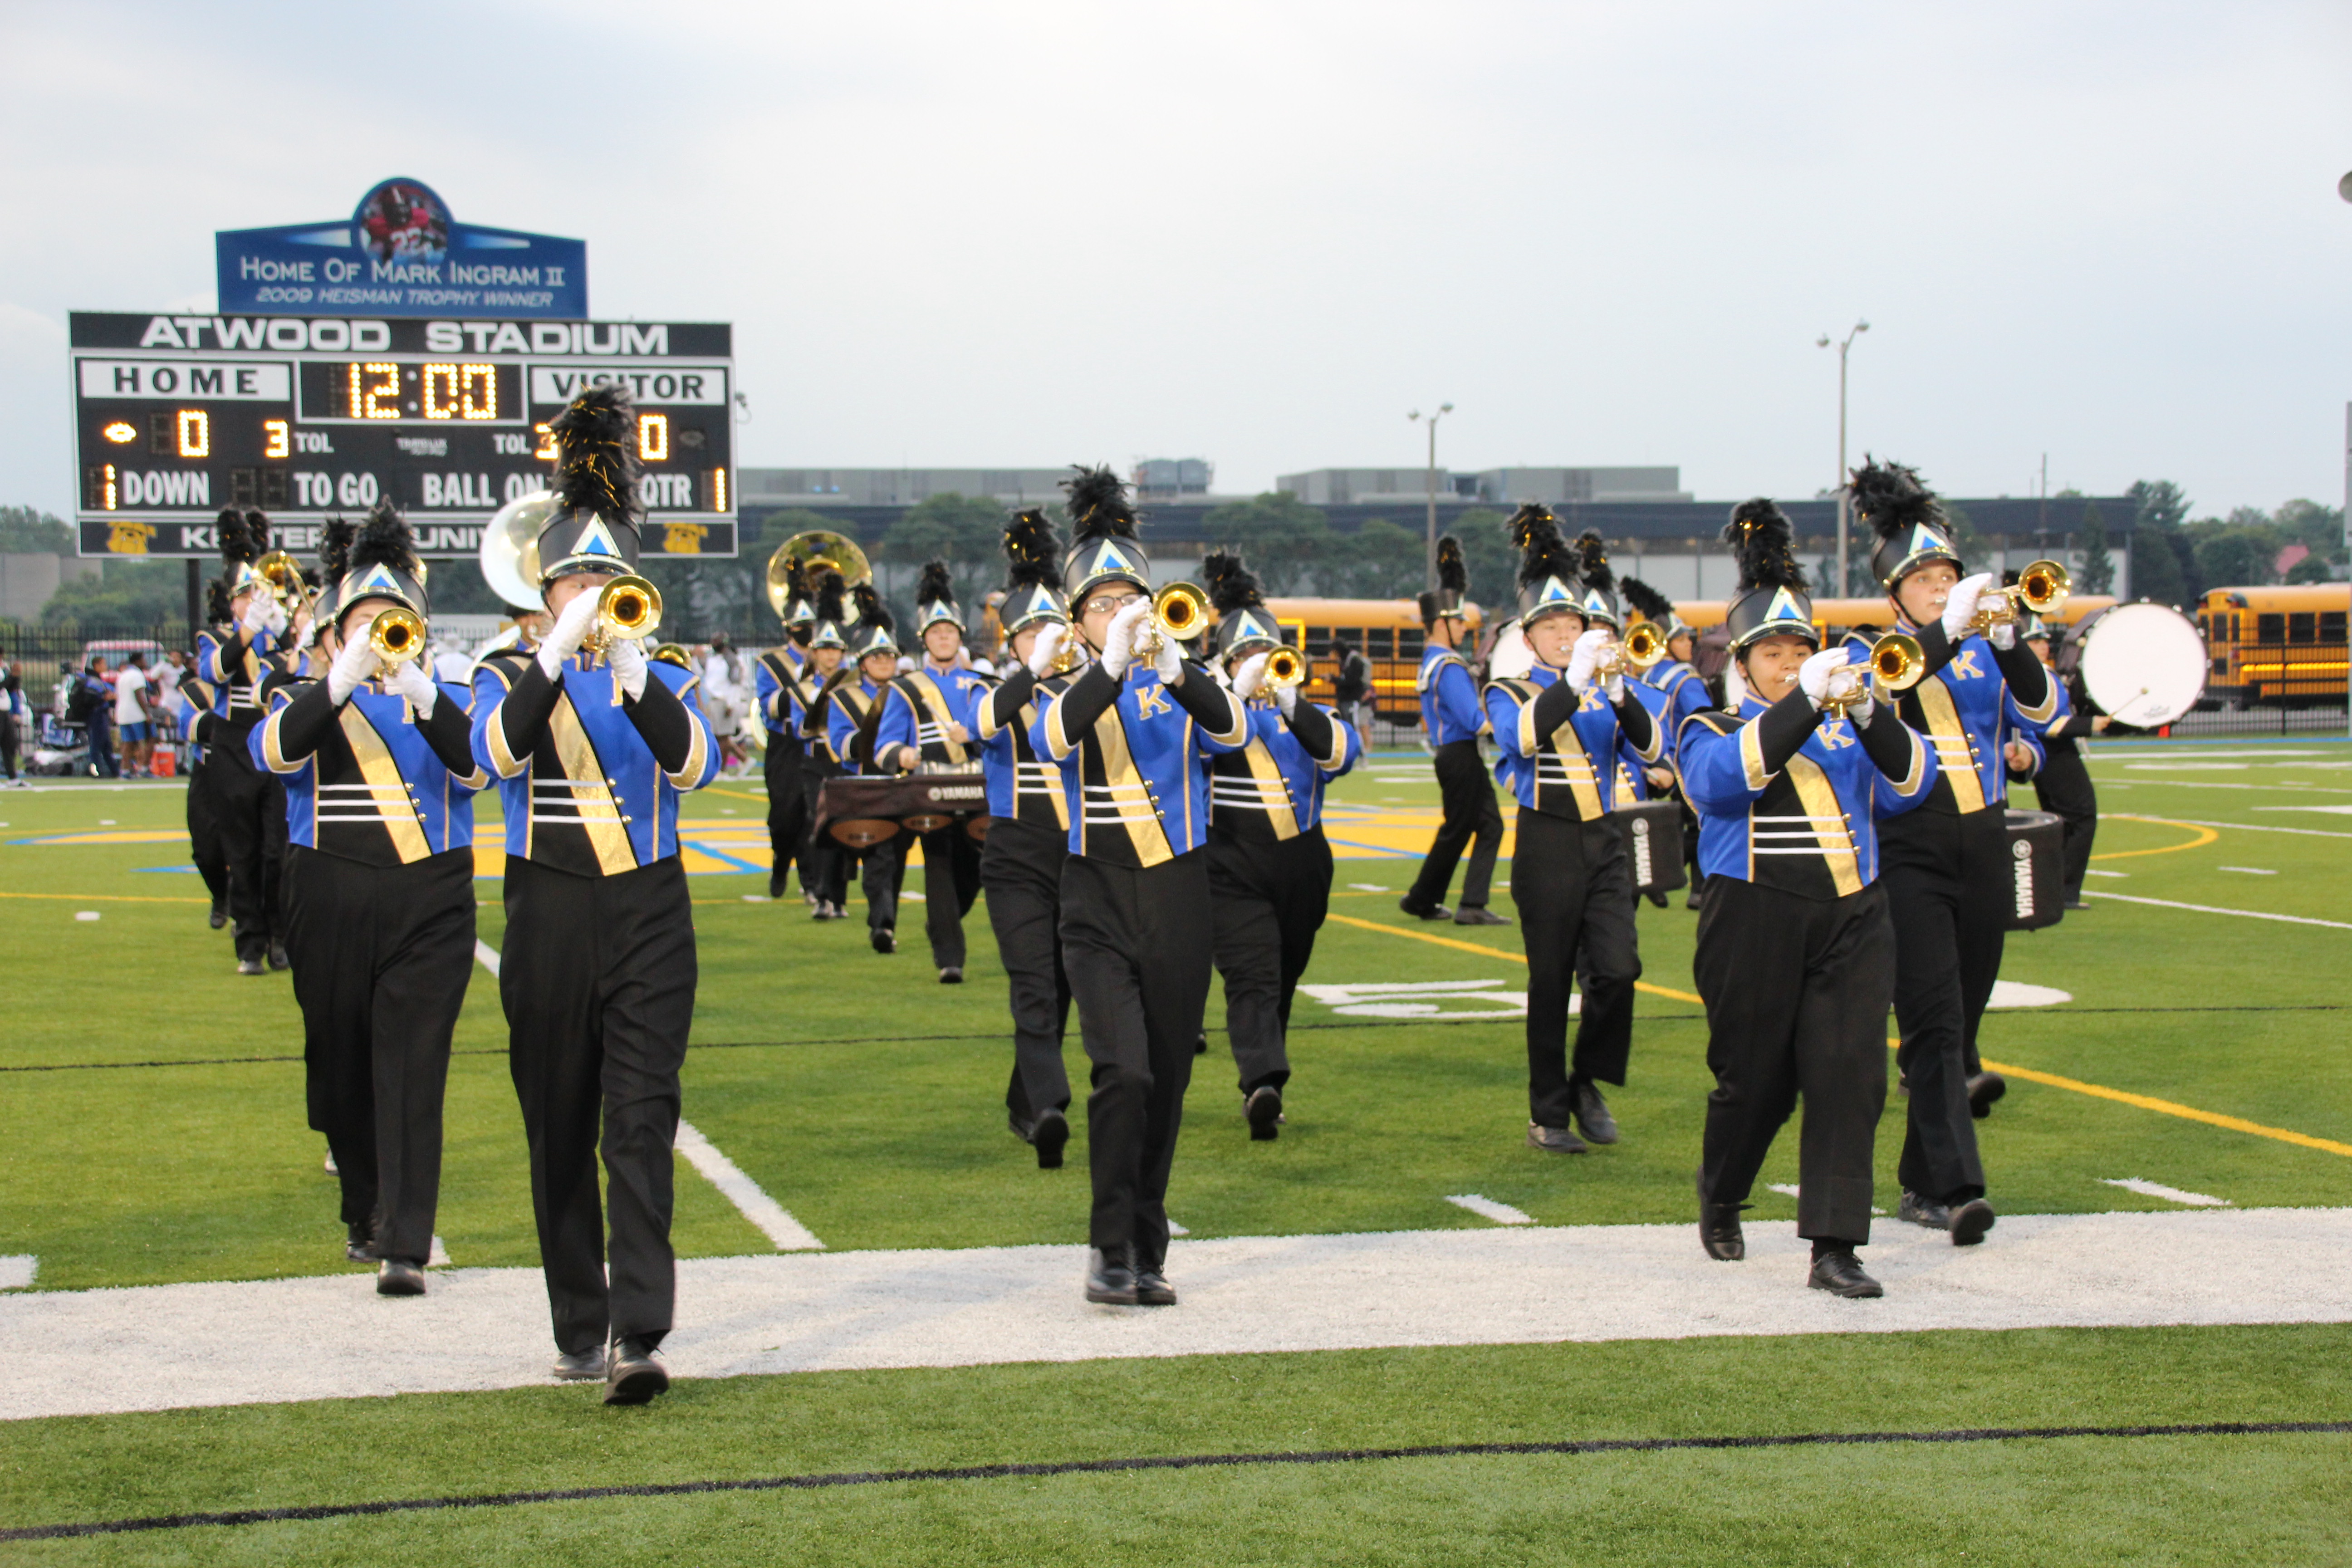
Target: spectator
column 93, row 701
column 1354, row 689
column 163, row 697
column 134, row 725
column 725, row 702
column 12, row 712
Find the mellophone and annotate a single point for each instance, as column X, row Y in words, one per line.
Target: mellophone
column 863, row 812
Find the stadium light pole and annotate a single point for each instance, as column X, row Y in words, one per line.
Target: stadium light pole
column 1429, row 563
column 1845, row 505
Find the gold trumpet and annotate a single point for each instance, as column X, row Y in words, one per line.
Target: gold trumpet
column 1179, row 610
column 1285, row 668
column 1896, row 663
column 1644, row 644
column 398, row 635
column 2041, row 587
column 630, row 607
column 284, row 575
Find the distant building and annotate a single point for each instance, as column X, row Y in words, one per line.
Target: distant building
column 768, row 489
column 1497, row 487
column 1173, row 478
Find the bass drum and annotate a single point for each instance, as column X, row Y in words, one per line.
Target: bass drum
column 2037, row 848
column 2143, row 664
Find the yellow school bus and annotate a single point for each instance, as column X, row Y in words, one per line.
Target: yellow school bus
column 2280, row 647
column 1387, row 632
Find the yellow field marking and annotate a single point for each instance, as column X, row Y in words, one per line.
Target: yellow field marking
column 104, row 899
column 122, row 836
column 2204, row 835
column 1482, row 949
column 732, row 793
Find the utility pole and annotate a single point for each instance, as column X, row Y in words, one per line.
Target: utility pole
column 1845, row 500
column 1429, row 563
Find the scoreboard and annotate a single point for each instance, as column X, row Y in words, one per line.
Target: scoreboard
column 177, row 416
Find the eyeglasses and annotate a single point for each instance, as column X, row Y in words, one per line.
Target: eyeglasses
column 1108, row 604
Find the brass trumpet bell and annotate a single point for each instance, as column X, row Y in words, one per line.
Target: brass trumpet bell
column 284, row 575
column 1284, row 668
column 1179, row 610
column 2041, row 587
column 398, row 635
column 1644, row 644
column 629, row 607
column 1896, row 664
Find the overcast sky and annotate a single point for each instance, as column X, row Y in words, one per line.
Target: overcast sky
column 1031, row 234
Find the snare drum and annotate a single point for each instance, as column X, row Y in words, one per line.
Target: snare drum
column 2037, row 841
column 2143, row 664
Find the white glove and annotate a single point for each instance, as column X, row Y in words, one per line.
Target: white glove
column 1168, row 661
column 2003, row 635
column 256, row 619
column 571, row 629
column 1286, row 699
column 1048, row 647
column 1119, row 640
column 274, row 616
column 410, row 680
column 1250, row 677
column 352, row 666
column 627, row 658
column 1855, row 678
column 1585, row 656
column 1813, row 676
column 1962, row 607
column 1613, row 686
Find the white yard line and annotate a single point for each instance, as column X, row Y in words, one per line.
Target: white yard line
column 2170, row 1195
column 764, row 1212
column 162, row 1347
column 1488, row 1208
column 17, row 1271
column 2211, row 910
column 2249, row 871
column 2246, row 826
column 487, row 956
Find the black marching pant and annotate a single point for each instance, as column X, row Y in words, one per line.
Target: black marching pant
column 1797, row 993
column 1575, row 891
column 205, row 846
column 381, row 955
column 788, row 811
column 1022, row 869
column 950, row 882
column 2064, row 786
column 1468, row 797
column 249, row 815
column 824, row 865
column 882, row 867
column 1266, row 902
column 1136, row 942
column 7, row 741
column 1949, row 884
column 598, row 979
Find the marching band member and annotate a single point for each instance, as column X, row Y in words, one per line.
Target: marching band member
column 1270, row 864
column 1796, row 956
column 939, row 695
column 1558, row 729
column 1451, row 721
column 811, row 714
column 594, row 748
column 1632, row 778
column 1028, row 835
column 1129, row 735
column 1948, row 866
column 778, row 682
column 873, row 737
column 380, row 781
column 248, row 806
column 1686, row 694
column 194, row 700
column 2062, row 783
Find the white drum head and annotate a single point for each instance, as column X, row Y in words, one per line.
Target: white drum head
column 2144, row 665
column 1511, row 658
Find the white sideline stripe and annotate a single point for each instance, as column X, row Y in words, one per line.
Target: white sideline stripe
column 764, row 1212
column 1501, row 1214
column 2329, row 810
column 2249, row 871
column 18, row 1270
column 2210, row 910
column 2243, row 826
column 487, row 956
column 158, row 1347
column 1175, row 1229
column 438, row 1257
column 2171, row 1194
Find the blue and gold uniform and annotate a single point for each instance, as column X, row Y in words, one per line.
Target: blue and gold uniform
column 195, row 701
column 1452, row 719
column 938, row 700
column 1270, row 864
column 872, row 735
column 779, row 688
column 249, row 808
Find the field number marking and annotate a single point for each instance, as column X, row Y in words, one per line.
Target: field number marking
column 18, row 1270
column 766, row 1214
column 1488, row 1208
column 2170, row 1195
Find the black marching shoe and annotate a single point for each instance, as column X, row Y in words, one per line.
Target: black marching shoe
column 1970, row 1220
column 776, row 883
column 219, row 917
column 1839, row 1274
column 397, row 1277
column 1424, row 911
column 1476, row 915
column 953, row 975
column 1110, row 1277
column 1657, row 896
column 1592, row 1118
column 1264, row 1110
column 1719, row 1232
column 250, row 966
column 1554, row 1139
column 1050, row 1133
column 1983, row 1090
column 277, row 958
column 884, row 940
column 581, row 1366
column 634, row 1373
column 1916, row 1209
column 357, row 1239
column 1151, row 1286
column 1200, row 1043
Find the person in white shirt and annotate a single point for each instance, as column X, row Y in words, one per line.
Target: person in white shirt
column 724, row 703
column 134, row 730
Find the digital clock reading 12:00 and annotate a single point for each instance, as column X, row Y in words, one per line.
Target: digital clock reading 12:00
column 384, row 391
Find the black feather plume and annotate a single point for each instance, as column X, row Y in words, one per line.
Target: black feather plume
column 596, row 462
column 934, row 584
column 236, row 544
column 1029, row 545
column 1647, row 601
column 1098, row 505
column 257, row 529
column 1593, row 556
column 1761, row 540
column 829, row 605
column 870, row 610
column 1453, row 572
column 384, row 539
column 796, row 585
column 215, row 602
column 335, row 547
column 1231, row 585
column 1542, row 551
column 1890, row 498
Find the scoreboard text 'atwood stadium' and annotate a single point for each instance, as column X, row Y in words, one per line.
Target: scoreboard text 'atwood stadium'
column 177, row 416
